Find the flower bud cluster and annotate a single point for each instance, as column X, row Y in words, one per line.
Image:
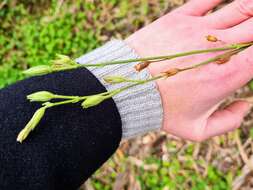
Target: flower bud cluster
column 62, row 63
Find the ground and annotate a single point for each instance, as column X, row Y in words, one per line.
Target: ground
column 33, row 31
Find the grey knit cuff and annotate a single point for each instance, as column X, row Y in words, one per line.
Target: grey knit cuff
column 140, row 107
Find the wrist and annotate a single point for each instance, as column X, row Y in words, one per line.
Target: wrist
column 139, row 107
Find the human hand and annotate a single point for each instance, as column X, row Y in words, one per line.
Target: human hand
column 190, row 99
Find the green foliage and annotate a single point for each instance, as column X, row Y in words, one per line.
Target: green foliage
column 176, row 175
column 33, row 31
column 32, row 39
column 173, row 175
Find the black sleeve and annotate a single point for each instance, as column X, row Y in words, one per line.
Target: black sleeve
column 68, row 145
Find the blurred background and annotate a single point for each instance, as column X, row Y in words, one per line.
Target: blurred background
column 33, row 31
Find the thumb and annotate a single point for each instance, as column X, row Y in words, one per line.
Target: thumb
column 228, row 119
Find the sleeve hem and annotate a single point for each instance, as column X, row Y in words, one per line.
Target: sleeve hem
column 140, row 107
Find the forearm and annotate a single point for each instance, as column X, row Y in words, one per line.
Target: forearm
column 67, row 146
column 71, row 143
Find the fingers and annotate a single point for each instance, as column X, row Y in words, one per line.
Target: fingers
column 197, row 7
column 226, row 120
column 238, row 34
column 232, row 14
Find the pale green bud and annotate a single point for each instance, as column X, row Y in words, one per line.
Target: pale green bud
column 93, row 101
column 38, row 70
column 63, row 61
column 31, row 124
column 41, row 96
column 115, row 79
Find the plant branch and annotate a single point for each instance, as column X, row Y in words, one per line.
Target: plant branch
column 168, row 57
column 64, row 63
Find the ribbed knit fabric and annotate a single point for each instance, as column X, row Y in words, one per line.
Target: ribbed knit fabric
column 140, row 107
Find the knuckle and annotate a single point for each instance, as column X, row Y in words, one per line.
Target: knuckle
column 245, row 7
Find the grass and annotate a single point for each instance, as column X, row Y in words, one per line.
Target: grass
column 181, row 170
column 29, row 39
column 33, row 31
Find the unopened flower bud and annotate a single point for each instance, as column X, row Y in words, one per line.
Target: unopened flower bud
column 63, row 61
column 222, row 60
column 139, row 67
column 114, row 79
column 38, row 70
column 31, row 124
column 171, row 72
column 93, row 101
column 211, row 38
column 225, row 58
column 41, row 96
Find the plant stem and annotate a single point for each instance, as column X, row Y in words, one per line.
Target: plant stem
column 71, row 99
column 213, row 59
column 49, row 105
column 64, row 97
column 138, row 82
column 168, row 57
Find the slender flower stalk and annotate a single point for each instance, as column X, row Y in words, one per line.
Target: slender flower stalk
column 173, row 56
column 118, row 79
column 64, row 62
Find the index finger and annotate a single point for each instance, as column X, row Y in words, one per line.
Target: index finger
column 197, row 7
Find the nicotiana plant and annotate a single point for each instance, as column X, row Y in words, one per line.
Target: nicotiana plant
column 63, row 63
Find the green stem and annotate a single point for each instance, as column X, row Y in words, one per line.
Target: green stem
column 213, row 59
column 71, row 99
column 168, row 57
column 64, row 97
column 62, row 102
column 117, row 91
